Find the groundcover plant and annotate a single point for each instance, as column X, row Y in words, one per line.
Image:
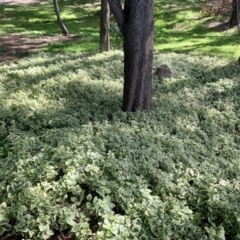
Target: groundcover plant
column 72, row 161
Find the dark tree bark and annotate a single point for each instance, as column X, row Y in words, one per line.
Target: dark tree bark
column 59, row 19
column 104, row 26
column 136, row 25
column 116, row 10
column 235, row 15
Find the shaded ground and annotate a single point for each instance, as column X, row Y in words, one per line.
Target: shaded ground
column 218, row 25
column 16, row 2
column 59, row 235
column 15, row 45
column 218, row 8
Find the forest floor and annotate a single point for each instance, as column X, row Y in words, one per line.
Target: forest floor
column 16, row 2
column 14, row 45
column 17, row 46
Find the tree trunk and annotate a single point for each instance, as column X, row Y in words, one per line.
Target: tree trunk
column 136, row 25
column 104, row 26
column 138, row 55
column 235, row 15
column 59, row 19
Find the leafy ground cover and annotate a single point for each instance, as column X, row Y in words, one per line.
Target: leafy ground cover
column 73, row 164
column 180, row 26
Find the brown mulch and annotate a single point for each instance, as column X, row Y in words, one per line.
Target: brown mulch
column 217, row 7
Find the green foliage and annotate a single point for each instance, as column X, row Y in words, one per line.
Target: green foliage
column 70, row 160
column 116, row 35
column 179, row 27
column 39, row 20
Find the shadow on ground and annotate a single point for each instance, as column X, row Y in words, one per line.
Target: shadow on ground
column 17, row 46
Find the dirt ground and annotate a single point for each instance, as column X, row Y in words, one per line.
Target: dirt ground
column 17, row 2
column 16, row 46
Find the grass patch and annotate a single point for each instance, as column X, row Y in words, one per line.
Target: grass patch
column 82, row 20
column 71, row 161
column 179, row 27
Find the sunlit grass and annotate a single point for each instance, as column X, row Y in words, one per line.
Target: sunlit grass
column 179, row 27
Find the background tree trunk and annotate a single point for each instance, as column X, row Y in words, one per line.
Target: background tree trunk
column 59, row 19
column 235, row 16
column 104, row 26
column 136, row 25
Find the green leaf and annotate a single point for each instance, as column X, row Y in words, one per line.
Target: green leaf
column 136, row 229
column 2, row 230
column 4, row 221
column 89, row 197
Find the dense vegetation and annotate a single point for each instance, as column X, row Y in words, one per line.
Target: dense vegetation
column 73, row 164
column 70, row 159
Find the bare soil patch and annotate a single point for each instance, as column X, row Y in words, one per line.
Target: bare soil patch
column 212, row 7
column 17, row 2
column 16, row 46
column 218, row 26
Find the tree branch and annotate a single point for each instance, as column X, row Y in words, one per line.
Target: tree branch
column 116, row 9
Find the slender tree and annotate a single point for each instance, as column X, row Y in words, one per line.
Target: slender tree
column 59, row 19
column 135, row 22
column 104, row 26
column 235, row 15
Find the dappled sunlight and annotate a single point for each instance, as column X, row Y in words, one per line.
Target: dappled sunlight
column 63, row 134
column 186, row 30
column 74, row 165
